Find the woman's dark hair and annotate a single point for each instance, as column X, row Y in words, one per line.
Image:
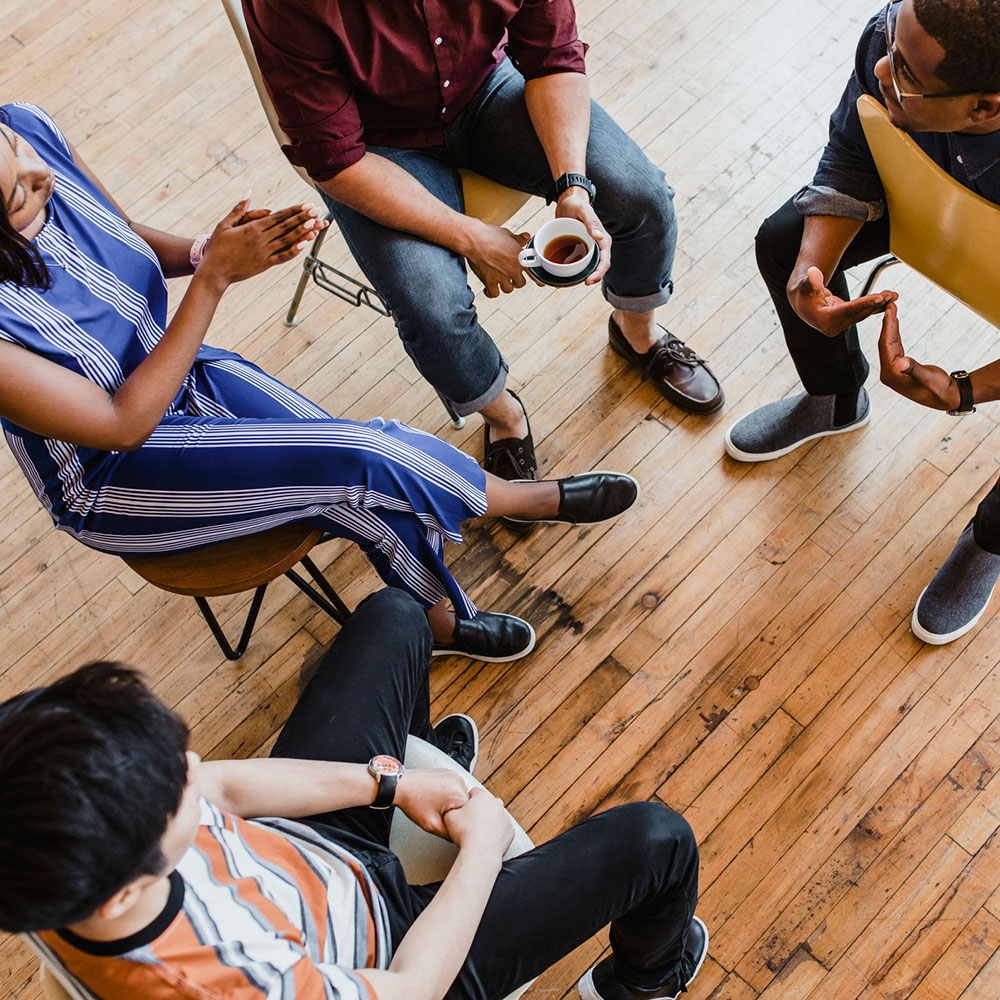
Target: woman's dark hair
column 20, row 263
column 91, row 771
column 969, row 33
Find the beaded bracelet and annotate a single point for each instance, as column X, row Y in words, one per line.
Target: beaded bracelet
column 198, row 248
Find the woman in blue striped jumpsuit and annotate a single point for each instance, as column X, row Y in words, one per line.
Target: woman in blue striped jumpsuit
column 138, row 438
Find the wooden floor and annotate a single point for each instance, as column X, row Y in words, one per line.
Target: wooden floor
column 737, row 647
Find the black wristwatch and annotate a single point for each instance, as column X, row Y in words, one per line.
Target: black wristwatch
column 387, row 771
column 966, row 403
column 571, row 180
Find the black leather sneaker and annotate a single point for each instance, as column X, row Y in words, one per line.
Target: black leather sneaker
column 589, row 498
column 599, row 982
column 491, row 637
column 458, row 736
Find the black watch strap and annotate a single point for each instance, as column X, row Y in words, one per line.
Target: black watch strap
column 560, row 184
column 386, row 771
column 966, row 399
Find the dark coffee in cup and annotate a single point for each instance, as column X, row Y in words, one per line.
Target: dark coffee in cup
column 566, row 249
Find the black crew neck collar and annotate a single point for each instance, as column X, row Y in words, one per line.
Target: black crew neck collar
column 147, row 935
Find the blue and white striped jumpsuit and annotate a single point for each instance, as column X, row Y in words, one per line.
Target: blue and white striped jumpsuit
column 237, row 452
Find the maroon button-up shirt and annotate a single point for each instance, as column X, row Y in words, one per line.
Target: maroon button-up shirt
column 394, row 72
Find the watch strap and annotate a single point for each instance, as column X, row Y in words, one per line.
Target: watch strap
column 561, row 184
column 966, row 399
column 386, row 779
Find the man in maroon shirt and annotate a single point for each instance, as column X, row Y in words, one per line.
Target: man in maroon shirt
column 382, row 102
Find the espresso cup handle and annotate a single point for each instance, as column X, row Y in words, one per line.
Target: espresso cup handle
column 528, row 257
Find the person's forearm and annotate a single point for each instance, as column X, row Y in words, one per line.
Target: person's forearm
column 986, row 382
column 173, row 252
column 387, row 194
column 141, row 400
column 824, row 240
column 278, row 786
column 559, row 108
column 433, row 950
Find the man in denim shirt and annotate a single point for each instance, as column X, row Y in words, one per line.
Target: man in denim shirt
column 935, row 65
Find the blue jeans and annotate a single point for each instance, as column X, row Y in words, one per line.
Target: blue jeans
column 426, row 286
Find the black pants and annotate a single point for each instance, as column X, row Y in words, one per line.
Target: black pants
column 828, row 365
column 635, row 866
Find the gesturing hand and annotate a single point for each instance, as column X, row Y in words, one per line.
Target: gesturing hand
column 824, row 311
column 925, row 384
column 575, row 204
column 426, row 794
column 248, row 241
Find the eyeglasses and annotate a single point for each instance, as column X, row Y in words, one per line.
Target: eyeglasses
column 890, row 35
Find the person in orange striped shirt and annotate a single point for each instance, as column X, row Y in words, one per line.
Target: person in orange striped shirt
column 136, row 870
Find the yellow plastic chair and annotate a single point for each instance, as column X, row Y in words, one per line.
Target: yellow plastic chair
column 425, row 858
column 937, row 226
column 484, row 199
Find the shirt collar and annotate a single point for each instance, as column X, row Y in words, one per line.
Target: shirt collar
column 979, row 152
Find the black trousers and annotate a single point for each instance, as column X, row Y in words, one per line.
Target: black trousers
column 828, row 365
column 635, row 866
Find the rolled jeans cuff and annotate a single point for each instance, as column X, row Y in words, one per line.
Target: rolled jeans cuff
column 639, row 303
column 485, row 398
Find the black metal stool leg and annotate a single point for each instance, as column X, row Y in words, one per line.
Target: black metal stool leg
column 334, row 607
column 220, row 637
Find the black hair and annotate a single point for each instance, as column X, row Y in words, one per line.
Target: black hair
column 969, row 33
column 92, row 769
column 20, row 263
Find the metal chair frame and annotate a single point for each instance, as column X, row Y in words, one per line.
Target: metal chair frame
column 328, row 601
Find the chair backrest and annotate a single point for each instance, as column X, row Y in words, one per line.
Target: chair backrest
column 484, row 199
column 937, row 226
column 425, row 858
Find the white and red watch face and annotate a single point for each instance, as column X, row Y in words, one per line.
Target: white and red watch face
column 383, row 763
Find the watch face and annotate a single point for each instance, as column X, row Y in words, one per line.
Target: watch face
column 384, row 764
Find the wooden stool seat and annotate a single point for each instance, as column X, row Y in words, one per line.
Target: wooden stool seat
column 239, row 564
column 229, row 567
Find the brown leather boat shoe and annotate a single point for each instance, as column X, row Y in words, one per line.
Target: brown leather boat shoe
column 681, row 376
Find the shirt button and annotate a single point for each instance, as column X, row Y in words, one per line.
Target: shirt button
column 437, row 41
column 447, row 83
column 959, row 158
column 443, row 110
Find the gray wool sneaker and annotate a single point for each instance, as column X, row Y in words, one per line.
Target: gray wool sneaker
column 959, row 594
column 777, row 428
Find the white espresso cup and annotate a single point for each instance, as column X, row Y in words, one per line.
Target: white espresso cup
column 534, row 256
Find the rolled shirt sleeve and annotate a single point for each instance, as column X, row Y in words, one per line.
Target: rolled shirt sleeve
column 542, row 39
column 846, row 167
column 312, row 96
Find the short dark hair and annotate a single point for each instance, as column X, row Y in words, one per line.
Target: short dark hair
column 20, row 262
column 92, row 769
column 969, row 33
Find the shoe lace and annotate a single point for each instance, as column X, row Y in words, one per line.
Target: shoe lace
column 668, row 353
column 517, row 459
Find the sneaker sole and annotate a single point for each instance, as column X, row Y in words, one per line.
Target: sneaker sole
column 489, row 659
column 765, row 456
column 475, row 736
column 585, row 987
column 935, row 639
column 519, row 522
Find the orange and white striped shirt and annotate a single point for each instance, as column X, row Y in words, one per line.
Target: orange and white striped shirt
column 259, row 910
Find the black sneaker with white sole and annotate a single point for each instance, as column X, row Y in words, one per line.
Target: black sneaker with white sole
column 490, row 637
column 588, row 499
column 458, row 736
column 599, row 982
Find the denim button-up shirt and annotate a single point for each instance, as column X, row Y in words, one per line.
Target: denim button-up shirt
column 847, row 184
